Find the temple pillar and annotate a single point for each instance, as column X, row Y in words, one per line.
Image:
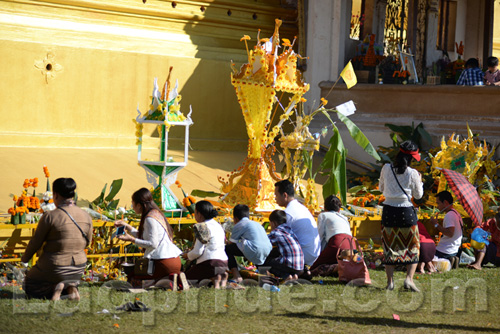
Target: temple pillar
column 328, row 26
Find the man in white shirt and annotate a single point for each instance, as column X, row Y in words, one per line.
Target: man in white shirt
column 451, row 240
column 300, row 220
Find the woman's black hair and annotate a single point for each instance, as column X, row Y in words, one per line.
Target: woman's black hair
column 278, row 217
column 144, row 198
column 403, row 159
column 65, row 187
column 206, row 209
column 332, row 203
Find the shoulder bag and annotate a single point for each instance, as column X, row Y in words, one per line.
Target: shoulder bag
column 409, row 199
column 351, row 270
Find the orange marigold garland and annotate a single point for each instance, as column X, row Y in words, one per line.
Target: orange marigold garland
column 187, row 201
column 47, row 175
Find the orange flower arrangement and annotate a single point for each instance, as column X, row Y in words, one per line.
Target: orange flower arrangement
column 33, row 203
column 188, row 201
column 21, row 200
column 46, row 171
column 22, row 210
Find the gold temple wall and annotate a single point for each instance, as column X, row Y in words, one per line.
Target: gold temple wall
column 496, row 30
column 109, row 52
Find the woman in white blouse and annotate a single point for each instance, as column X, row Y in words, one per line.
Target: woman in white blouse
column 155, row 236
column 400, row 237
column 208, row 250
column 333, row 228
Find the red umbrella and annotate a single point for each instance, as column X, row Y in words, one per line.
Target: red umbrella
column 466, row 194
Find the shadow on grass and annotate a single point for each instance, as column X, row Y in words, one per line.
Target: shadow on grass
column 370, row 321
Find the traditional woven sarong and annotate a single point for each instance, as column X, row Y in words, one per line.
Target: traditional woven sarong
column 41, row 284
column 400, row 238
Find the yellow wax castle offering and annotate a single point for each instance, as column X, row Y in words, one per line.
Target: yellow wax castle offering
column 256, row 84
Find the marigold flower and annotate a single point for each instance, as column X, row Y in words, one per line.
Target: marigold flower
column 46, row 171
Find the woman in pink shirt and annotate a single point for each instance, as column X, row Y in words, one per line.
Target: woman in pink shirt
column 427, row 250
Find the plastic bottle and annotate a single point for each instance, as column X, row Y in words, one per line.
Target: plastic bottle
column 269, row 287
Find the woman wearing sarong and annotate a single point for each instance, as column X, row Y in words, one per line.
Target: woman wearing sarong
column 209, row 248
column 333, row 228
column 155, row 236
column 400, row 237
column 66, row 232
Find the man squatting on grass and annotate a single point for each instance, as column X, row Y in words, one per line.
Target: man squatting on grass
column 300, row 220
column 248, row 239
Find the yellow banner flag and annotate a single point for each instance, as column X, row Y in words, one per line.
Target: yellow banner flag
column 349, row 76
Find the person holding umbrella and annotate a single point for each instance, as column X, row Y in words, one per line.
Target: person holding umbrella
column 451, row 229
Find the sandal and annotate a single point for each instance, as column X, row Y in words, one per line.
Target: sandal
column 125, row 307
column 140, row 307
column 183, row 281
column 134, row 307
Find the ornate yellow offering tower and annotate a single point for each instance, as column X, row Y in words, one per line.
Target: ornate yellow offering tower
column 256, row 84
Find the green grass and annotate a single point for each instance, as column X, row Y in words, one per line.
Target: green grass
column 325, row 306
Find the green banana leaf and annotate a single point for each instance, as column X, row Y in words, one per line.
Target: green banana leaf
column 334, row 164
column 100, row 198
column 384, row 157
column 203, row 193
column 359, row 137
column 424, row 134
column 115, row 187
column 112, row 205
column 355, row 189
column 405, row 130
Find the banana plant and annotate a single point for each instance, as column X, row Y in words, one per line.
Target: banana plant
column 334, row 162
column 108, row 203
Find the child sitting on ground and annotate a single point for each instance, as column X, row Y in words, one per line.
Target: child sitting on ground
column 289, row 263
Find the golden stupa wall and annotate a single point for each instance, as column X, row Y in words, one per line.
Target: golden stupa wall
column 496, row 30
column 74, row 71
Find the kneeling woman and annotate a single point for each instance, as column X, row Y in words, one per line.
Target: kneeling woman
column 208, row 250
column 63, row 233
column 155, row 235
column 333, row 228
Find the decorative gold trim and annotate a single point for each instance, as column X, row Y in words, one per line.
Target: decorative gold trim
column 48, row 66
column 186, row 12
